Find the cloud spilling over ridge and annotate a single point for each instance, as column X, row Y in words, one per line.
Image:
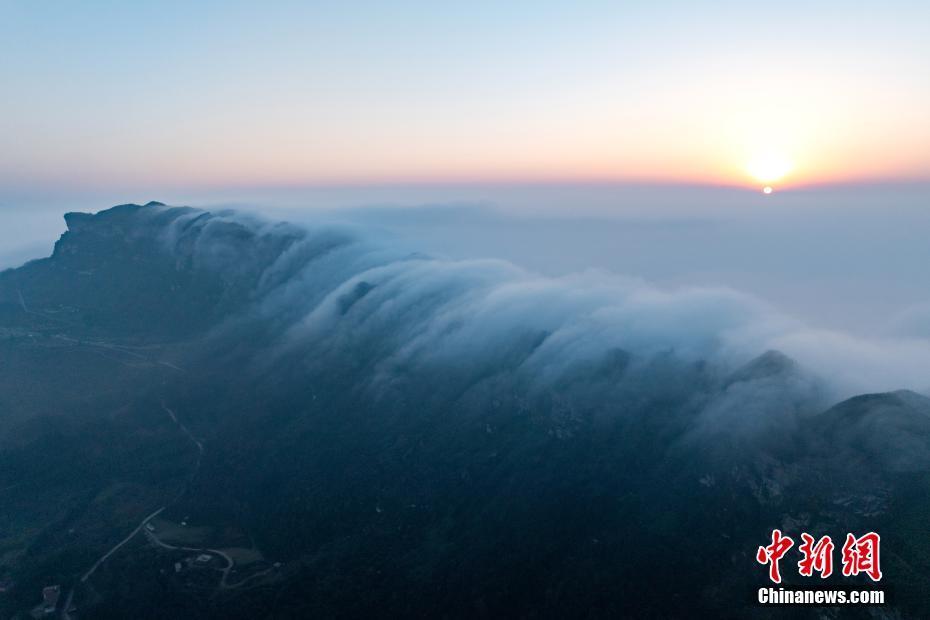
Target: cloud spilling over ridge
column 333, row 288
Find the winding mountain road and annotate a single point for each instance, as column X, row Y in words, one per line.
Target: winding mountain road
column 65, row 614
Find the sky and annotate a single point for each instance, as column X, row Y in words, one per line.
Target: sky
column 207, row 95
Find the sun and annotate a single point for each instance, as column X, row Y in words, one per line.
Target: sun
column 768, row 168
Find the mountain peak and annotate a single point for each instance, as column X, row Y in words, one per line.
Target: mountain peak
column 76, row 221
column 770, row 364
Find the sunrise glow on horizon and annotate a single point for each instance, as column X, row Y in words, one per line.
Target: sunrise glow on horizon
column 241, row 95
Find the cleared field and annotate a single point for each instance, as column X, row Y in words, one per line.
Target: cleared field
column 180, row 535
column 242, row 556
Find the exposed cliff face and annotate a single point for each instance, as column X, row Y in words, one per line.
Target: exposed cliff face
column 114, row 274
column 129, row 223
column 409, row 436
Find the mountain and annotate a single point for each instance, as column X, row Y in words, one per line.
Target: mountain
column 207, row 415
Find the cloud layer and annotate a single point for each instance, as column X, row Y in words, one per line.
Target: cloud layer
column 331, row 288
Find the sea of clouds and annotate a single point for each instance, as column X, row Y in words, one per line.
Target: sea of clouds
column 839, row 286
column 339, row 287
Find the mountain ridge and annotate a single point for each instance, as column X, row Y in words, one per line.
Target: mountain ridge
column 392, row 435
